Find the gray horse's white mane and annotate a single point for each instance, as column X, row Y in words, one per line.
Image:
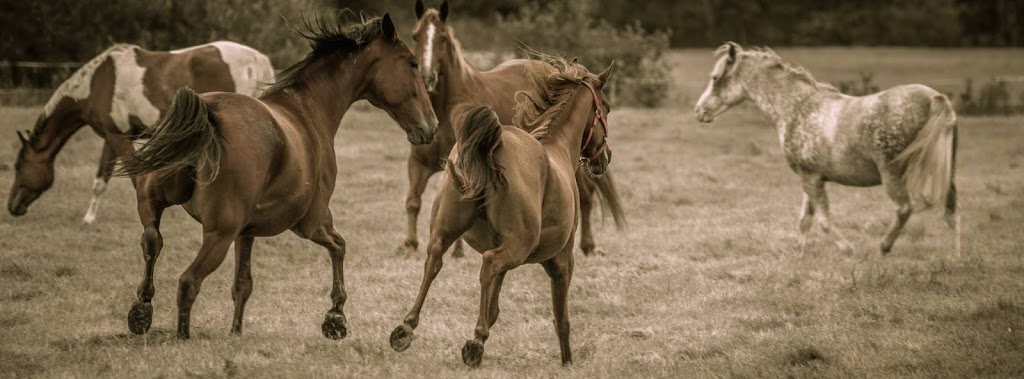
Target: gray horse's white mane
column 769, row 55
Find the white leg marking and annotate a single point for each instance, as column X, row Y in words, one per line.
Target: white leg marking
column 98, row 187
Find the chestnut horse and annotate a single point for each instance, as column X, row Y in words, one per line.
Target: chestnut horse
column 903, row 138
column 511, row 193
column 121, row 93
column 452, row 81
column 246, row 167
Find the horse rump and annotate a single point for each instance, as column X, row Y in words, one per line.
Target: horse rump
column 186, row 137
column 476, row 170
column 928, row 160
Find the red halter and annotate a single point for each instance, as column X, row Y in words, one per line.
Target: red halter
column 589, row 132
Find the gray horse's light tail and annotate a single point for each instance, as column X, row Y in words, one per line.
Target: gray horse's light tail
column 608, row 195
column 477, row 170
column 186, row 137
column 929, row 159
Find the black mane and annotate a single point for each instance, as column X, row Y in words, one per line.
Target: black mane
column 325, row 38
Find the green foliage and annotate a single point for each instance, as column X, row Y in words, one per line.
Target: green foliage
column 640, row 76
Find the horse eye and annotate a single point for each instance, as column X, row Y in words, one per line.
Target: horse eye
column 415, row 37
column 714, row 78
column 414, row 64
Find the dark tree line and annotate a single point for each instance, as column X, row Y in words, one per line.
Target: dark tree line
column 77, row 29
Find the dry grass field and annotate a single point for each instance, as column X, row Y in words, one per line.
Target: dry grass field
column 706, row 281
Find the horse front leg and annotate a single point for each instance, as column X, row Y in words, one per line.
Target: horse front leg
column 806, row 221
column 587, row 189
column 99, row 184
column 419, row 176
column 140, row 317
column 814, row 188
column 334, row 325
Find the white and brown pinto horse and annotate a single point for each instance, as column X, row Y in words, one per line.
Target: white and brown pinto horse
column 120, row 94
column 904, row 138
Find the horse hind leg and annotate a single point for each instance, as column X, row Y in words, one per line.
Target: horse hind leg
column 140, row 317
column 492, row 272
column 211, row 255
column 559, row 269
column 953, row 219
column 99, row 184
column 401, row 337
column 242, row 287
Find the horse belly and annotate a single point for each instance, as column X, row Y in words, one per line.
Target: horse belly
column 852, row 170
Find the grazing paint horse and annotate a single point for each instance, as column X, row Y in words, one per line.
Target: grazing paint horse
column 512, row 194
column 452, row 81
column 903, row 138
column 246, row 167
column 121, row 93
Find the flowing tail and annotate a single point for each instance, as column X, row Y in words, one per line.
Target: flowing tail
column 187, row 137
column 477, row 170
column 930, row 157
column 608, row 195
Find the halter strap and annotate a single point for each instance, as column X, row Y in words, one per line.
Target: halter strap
column 598, row 116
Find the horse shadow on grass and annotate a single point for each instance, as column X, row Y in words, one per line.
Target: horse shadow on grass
column 155, row 337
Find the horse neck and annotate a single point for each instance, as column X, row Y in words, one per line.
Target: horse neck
column 566, row 129
column 319, row 102
column 782, row 97
column 58, row 126
column 461, row 80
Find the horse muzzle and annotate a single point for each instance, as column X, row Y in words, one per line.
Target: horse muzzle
column 430, row 81
column 422, row 133
column 19, row 201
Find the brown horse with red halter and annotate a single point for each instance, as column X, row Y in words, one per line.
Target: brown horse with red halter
column 121, row 93
column 452, row 81
column 512, row 194
column 246, row 167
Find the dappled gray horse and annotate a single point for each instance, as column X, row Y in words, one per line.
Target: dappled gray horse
column 904, row 137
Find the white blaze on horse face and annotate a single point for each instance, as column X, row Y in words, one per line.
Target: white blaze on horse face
column 130, row 93
column 79, row 85
column 428, row 52
column 250, row 70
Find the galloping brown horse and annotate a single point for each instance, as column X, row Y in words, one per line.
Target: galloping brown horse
column 246, row 167
column 121, row 93
column 452, row 81
column 512, row 194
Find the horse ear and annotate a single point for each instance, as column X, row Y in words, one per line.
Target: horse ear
column 606, row 74
column 420, row 9
column 388, row 27
column 574, row 60
column 733, row 49
column 22, row 138
column 444, row 11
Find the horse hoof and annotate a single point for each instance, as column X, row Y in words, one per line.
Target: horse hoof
column 334, row 326
column 472, row 353
column 401, row 338
column 140, row 317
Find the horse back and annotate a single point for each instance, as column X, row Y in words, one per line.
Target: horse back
column 504, row 80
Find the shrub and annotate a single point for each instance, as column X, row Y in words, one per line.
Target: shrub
column 568, row 29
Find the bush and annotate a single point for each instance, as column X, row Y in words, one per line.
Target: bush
column 992, row 99
column 569, row 29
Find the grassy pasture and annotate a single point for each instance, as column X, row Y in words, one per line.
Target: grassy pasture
column 706, row 281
